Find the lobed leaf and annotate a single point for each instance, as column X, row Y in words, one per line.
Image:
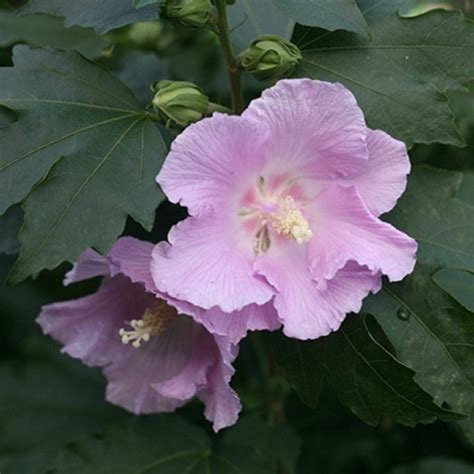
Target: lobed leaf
column 249, row 19
column 433, row 334
column 328, row 14
column 43, row 405
column 459, row 284
column 169, row 445
column 103, row 16
column 92, row 159
column 365, row 376
column 45, row 30
column 398, row 75
column 430, row 212
column 10, row 224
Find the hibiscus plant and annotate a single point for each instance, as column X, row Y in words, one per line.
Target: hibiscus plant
column 236, row 236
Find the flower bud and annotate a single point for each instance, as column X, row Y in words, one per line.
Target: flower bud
column 188, row 13
column 270, row 57
column 145, row 34
column 179, row 103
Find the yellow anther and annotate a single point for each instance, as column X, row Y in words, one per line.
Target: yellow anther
column 289, row 221
column 153, row 322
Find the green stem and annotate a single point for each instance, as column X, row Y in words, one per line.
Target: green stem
column 233, row 66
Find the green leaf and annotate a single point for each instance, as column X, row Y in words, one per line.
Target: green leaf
column 10, row 224
column 304, row 364
column 433, row 334
column 103, row 16
column 168, row 445
column 466, row 189
column 44, row 30
column 328, row 14
column 459, row 284
column 399, row 75
column 249, row 19
column 105, row 150
column 365, row 376
column 144, row 3
column 435, row 466
column 44, row 405
column 442, row 224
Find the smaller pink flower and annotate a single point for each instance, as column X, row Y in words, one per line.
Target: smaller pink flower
column 154, row 358
column 284, row 205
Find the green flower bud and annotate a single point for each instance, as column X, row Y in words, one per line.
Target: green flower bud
column 145, row 34
column 179, row 103
column 189, row 13
column 270, row 57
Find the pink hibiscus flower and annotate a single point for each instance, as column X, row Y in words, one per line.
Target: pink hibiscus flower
column 154, row 358
column 284, row 204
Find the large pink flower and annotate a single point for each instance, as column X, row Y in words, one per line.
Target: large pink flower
column 284, row 204
column 155, row 359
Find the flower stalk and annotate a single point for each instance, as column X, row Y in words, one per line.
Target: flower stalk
column 233, row 66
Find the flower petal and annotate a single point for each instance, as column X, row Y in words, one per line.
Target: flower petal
column 344, row 229
column 234, row 326
column 307, row 309
column 383, row 177
column 131, row 377
column 207, row 265
column 212, row 160
column 316, row 129
column 89, row 265
column 88, row 327
column 132, row 257
column 222, row 403
column 207, row 375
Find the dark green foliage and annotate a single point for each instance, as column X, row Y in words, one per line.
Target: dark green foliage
column 96, row 151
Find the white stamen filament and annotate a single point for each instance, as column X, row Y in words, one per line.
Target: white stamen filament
column 154, row 321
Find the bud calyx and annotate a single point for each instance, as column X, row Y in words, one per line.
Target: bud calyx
column 270, row 57
column 188, row 13
column 179, row 103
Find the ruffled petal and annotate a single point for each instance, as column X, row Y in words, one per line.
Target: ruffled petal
column 207, row 375
column 309, row 310
column 211, row 161
column 222, row 403
column 316, row 129
column 233, row 326
column 88, row 327
column 344, row 230
column 383, row 178
column 132, row 377
column 89, row 265
column 207, row 265
column 132, row 257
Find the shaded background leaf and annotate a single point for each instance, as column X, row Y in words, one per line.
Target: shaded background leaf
column 328, row 14
column 459, row 284
column 399, row 75
column 10, row 223
column 364, row 375
column 433, row 334
column 103, row 16
column 442, row 225
column 44, row 30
